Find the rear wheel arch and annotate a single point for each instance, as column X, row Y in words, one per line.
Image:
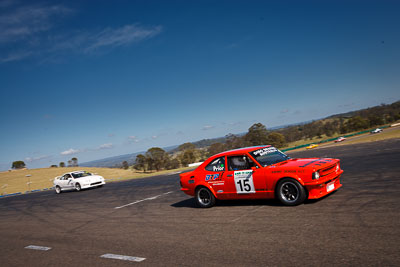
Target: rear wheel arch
column 204, row 196
column 206, row 186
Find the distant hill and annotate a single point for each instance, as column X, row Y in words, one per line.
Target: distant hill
column 112, row 162
column 116, row 161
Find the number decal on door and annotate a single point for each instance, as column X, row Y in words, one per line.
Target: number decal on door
column 244, row 182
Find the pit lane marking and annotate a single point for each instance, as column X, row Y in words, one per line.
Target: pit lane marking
column 37, row 247
column 122, row 257
column 138, row 201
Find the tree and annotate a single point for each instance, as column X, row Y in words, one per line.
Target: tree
column 187, row 157
column 141, row 162
column 54, row 166
column 357, row 123
column 234, row 141
column 375, row 120
column 125, row 165
column 257, row 135
column 74, row 162
column 173, row 164
column 187, row 146
column 276, row 139
column 156, row 157
column 216, row 148
column 62, row 164
column 19, row 164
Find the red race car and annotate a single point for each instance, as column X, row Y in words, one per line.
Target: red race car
column 261, row 172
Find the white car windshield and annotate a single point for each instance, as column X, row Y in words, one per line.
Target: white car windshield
column 81, row 174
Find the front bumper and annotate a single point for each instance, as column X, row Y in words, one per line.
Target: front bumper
column 324, row 188
column 94, row 184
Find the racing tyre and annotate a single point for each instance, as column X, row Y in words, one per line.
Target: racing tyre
column 204, row 198
column 290, row 192
column 58, row 189
column 78, row 187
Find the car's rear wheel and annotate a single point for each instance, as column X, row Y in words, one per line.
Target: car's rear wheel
column 78, row 187
column 58, row 189
column 290, row 192
column 204, row 198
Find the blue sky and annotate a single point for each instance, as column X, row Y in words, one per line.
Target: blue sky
column 93, row 79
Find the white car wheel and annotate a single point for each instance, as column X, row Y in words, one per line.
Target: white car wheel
column 78, row 187
column 58, row 189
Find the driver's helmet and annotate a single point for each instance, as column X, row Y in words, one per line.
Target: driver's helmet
column 239, row 161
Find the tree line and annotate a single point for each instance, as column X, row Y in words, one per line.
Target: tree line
column 344, row 123
column 157, row 159
column 19, row 164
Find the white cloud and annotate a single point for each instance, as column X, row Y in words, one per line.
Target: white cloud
column 32, row 159
column 106, row 146
column 122, row 36
column 70, row 152
column 133, row 138
column 28, row 21
column 15, row 56
column 154, row 137
column 32, row 31
column 207, row 127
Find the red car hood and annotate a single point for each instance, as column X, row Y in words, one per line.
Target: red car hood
column 311, row 163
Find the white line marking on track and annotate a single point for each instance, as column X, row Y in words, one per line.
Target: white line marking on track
column 37, row 247
column 138, row 201
column 122, row 257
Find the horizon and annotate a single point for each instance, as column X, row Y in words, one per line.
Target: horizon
column 98, row 80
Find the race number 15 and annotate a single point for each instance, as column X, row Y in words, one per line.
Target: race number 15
column 244, row 182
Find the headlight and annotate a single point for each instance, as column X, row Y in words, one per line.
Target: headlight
column 315, row 175
column 337, row 167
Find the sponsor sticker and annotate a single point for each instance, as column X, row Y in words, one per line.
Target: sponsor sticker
column 212, row 177
column 265, row 151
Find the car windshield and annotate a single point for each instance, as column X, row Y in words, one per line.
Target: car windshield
column 268, row 156
column 81, row 174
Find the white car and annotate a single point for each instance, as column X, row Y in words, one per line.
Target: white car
column 377, row 130
column 77, row 180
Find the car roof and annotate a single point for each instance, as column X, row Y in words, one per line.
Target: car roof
column 241, row 150
column 73, row 172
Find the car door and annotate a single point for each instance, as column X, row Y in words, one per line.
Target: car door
column 213, row 174
column 61, row 182
column 243, row 178
column 68, row 181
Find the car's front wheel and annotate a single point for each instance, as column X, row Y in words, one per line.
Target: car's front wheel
column 58, row 189
column 204, row 198
column 78, row 187
column 290, row 192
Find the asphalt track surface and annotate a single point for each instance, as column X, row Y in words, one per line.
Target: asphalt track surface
column 150, row 218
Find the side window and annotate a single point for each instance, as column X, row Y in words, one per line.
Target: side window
column 217, row 165
column 242, row 162
column 67, row 176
